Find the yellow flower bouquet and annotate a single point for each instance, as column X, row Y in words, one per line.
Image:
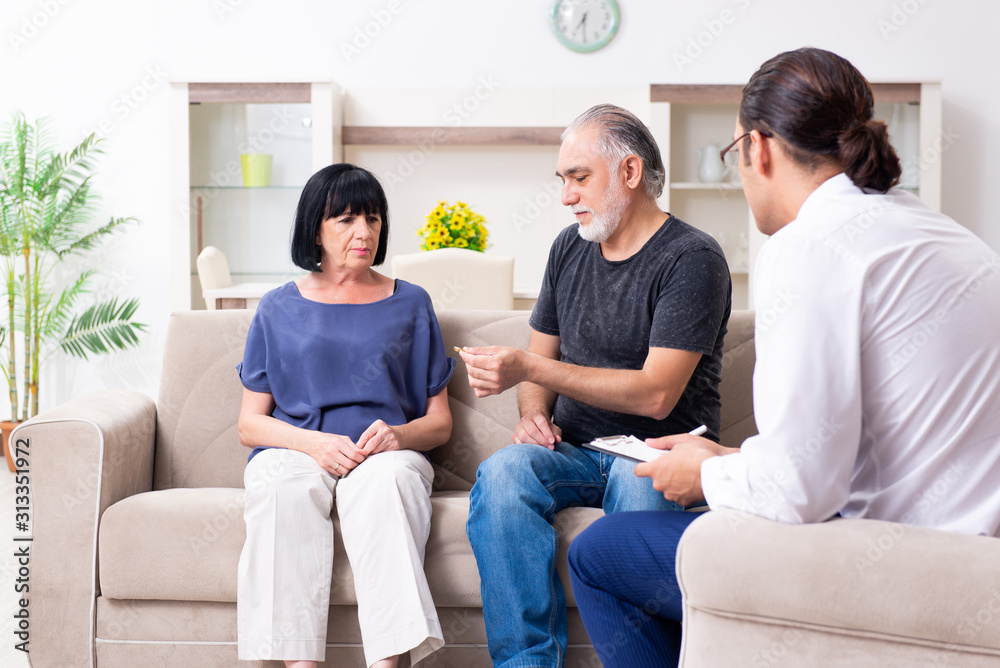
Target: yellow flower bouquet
column 454, row 226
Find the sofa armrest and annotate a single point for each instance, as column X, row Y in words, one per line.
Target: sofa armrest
column 845, row 578
column 83, row 456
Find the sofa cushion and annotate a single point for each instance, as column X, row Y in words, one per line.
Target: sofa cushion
column 738, row 358
column 199, row 402
column 176, row 544
column 480, row 426
column 184, row 545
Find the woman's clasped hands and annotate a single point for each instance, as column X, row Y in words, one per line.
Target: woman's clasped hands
column 339, row 455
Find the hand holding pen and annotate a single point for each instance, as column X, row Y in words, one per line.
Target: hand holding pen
column 493, row 369
column 679, row 475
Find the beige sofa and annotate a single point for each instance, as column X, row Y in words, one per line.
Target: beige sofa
column 138, row 526
column 138, row 508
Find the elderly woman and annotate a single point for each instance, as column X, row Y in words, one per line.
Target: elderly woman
column 345, row 378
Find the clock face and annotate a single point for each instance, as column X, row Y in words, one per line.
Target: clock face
column 584, row 25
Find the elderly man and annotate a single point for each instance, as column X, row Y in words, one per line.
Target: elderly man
column 626, row 339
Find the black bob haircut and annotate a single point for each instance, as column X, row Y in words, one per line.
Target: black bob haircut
column 330, row 192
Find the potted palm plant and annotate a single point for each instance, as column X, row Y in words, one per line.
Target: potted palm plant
column 46, row 217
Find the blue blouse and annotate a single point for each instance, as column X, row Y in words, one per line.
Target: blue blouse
column 337, row 368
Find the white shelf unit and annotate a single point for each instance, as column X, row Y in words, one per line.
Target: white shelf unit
column 211, row 125
column 496, row 149
column 685, row 118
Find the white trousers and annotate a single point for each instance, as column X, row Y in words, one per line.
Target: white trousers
column 283, row 595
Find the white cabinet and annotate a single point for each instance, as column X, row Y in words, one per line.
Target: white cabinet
column 296, row 123
column 686, row 119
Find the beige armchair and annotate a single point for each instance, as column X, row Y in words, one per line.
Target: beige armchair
column 459, row 279
column 840, row 594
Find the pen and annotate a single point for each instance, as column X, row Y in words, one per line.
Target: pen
column 463, row 350
column 698, row 431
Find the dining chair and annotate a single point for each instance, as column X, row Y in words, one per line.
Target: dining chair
column 460, row 279
column 213, row 272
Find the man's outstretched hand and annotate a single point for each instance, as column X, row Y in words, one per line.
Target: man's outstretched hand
column 493, row 369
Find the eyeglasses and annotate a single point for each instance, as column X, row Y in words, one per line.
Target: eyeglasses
column 729, row 157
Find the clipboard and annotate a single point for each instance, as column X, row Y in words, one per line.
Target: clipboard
column 626, row 446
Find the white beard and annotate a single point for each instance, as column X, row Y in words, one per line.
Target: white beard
column 604, row 223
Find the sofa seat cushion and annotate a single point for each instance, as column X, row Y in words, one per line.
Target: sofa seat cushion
column 184, row 545
column 174, row 545
column 846, row 576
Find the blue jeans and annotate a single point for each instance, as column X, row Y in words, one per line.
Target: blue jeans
column 632, row 613
column 517, row 493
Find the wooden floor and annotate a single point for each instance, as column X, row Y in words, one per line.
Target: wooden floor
column 9, row 657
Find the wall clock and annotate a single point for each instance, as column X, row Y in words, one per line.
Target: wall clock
column 584, row 25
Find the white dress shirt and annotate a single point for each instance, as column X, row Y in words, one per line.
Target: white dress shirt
column 877, row 383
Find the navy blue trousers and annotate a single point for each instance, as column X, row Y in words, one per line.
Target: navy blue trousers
column 625, row 583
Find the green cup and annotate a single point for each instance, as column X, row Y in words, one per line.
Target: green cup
column 256, row 169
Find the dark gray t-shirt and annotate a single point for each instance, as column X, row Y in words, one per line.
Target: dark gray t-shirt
column 674, row 293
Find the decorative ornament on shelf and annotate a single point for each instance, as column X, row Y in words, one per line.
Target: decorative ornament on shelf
column 454, row 226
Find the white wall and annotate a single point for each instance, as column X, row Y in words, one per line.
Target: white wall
column 106, row 64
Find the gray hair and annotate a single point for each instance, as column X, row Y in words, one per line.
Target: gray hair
column 620, row 134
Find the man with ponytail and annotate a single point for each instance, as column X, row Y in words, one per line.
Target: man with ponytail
column 877, row 381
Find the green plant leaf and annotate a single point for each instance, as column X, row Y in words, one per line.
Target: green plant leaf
column 102, row 328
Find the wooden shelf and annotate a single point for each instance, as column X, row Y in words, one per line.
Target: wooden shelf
column 694, row 94
column 193, row 188
column 903, row 93
column 218, row 93
column 450, row 136
column 885, row 93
